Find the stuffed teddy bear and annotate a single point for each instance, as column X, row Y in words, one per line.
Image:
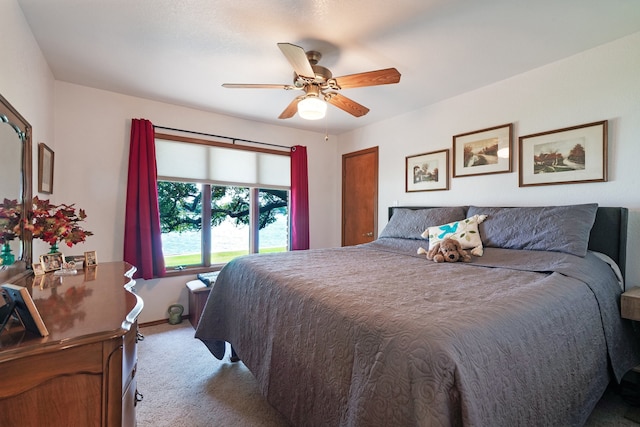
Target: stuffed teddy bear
column 447, row 250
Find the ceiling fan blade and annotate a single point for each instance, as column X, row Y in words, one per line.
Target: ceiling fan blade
column 346, row 104
column 257, row 86
column 371, row 78
column 291, row 109
column 298, row 59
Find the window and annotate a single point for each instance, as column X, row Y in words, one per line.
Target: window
column 217, row 204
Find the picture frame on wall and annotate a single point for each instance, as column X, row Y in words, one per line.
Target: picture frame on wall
column 427, row 171
column 45, row 168
column 572, row 155
column 482, row 152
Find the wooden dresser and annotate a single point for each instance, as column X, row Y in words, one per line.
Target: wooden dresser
column 83, row 373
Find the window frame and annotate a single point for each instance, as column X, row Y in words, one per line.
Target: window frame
column 206, row 265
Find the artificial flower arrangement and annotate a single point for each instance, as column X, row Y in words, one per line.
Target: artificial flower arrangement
column 57, row 223
column 9, row 221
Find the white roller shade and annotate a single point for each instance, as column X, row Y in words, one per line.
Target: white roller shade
column 181, row 161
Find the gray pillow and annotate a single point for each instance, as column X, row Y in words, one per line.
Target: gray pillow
column 411, row 223
column 549, row 228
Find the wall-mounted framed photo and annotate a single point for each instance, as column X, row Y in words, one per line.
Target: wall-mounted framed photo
column 427, row 171
column 45, row 168
column 482, row 152
column 572, row 155
column 51, row 262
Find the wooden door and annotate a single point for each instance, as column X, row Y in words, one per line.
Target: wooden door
column 359, row 196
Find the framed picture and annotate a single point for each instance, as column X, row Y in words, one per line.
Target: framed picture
column 51, row 262
column 90, row 258
column 38, row 269
column 45, row 169
column 427, row 171
column 572, row 155
column 483, row 151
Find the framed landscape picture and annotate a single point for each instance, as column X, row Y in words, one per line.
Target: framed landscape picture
column 483, row 151
column 427, row 171
column 572, row 155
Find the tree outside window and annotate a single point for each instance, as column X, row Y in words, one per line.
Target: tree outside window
column 231, row 231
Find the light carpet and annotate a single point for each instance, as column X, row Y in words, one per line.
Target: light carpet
column 185, row 386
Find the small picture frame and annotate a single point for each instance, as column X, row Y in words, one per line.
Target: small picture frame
column 52, row 262
column 45, row 168
column 427, row 171
column 90, row 258
column 572, row 155
column 483, row 152
column 38, row 269
column 78, row 260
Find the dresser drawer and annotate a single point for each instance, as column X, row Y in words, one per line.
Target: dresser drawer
column 129, row 355
column 129, row 405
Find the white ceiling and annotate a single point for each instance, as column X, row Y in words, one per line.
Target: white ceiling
column 181, row 51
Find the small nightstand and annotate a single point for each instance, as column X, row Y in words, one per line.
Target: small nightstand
column 198, row 294
column 630, row 304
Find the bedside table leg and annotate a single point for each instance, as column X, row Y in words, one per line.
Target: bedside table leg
column 234, row 357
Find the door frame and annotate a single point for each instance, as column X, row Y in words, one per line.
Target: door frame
column 371, row 150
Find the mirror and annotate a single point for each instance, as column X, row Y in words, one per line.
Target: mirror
column 15, row 183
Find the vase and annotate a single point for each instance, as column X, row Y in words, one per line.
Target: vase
column 7, row 257
column 54, row 248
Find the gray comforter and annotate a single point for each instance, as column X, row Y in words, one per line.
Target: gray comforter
column 375, row 335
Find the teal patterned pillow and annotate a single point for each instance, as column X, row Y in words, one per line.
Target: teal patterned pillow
column 464, row 231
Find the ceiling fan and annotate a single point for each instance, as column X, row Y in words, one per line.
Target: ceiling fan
column 319, row 85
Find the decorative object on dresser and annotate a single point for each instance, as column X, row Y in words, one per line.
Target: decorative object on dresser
column 10, row 228
column 57, row 224
column 90, row 259
column 91, row 347
column 19, row 298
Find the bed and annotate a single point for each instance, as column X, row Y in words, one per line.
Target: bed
column 528, row 333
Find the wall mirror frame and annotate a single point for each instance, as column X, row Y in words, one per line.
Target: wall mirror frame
column 19, row 179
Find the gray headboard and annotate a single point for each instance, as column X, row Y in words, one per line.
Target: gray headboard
column 608, row 235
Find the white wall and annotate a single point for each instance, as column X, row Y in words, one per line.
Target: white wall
column 25, row 79
column 599, row 84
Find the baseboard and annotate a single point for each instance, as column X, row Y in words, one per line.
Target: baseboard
column 161, row 321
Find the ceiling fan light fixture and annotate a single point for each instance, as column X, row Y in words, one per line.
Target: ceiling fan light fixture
column 312, row 108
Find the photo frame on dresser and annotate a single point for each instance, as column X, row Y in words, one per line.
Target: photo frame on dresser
column 20, row 298
column 571, row 155
column 52, row 262
column 483, row 152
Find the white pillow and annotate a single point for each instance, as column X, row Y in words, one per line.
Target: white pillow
column 464, row 231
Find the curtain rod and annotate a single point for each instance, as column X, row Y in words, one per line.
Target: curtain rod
column 233, row 140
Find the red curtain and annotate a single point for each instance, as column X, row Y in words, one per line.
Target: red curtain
column 299, row 199
column 142, row 243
